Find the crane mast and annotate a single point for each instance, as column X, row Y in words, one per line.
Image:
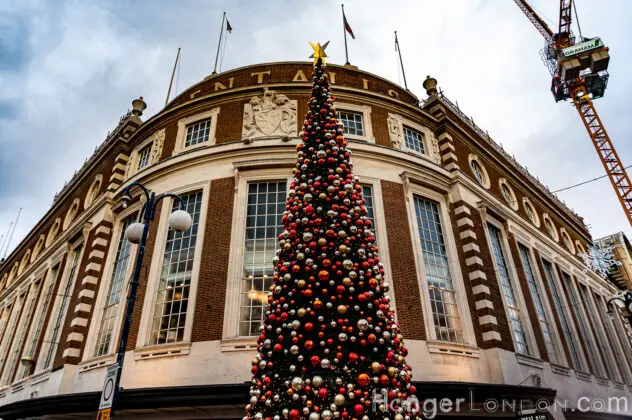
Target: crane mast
column 579, row 71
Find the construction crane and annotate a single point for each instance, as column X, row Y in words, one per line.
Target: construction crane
column 579, row 70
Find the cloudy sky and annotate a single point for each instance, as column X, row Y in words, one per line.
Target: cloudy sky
column 70, row 69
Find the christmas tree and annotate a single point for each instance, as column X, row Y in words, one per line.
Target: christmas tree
column 329, row 344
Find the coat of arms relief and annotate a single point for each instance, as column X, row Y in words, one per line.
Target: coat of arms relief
column 272, row 114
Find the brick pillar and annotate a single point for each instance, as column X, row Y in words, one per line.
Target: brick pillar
column 118, row 171
column 208, row 321
column 483, row 293
column 81, row 305
column 449, row 160
column 405, row 282
column 526, row 292
column 556, row 316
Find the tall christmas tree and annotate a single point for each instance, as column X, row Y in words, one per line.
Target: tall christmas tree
column 329, row 344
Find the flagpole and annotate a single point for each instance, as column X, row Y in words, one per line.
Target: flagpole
column 172, row 76
column 344, row 30
column 399, row 50
column 221, row 32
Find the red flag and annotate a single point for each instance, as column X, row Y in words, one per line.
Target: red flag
column 347, row 27
column 228, row 27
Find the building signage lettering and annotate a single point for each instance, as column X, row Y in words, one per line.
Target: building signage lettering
column 582, row 47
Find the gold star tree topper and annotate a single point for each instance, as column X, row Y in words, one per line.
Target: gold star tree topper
column 319, row 51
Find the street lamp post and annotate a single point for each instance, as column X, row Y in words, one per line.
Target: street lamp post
column 626, row 298
column 137, row 233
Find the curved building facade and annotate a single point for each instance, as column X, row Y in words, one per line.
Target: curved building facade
column 488, row 290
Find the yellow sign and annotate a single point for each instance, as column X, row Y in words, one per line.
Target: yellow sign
column 103, row 414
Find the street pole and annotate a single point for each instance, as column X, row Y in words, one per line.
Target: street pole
column 148, row 214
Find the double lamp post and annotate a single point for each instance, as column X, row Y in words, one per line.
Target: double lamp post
column 136, row 233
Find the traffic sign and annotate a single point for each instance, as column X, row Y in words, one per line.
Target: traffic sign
column 108, row 390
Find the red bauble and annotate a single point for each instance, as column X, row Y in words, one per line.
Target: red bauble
column 294, row 414
column 357, row 409
column 323, row 275
column 322, row 393
column 353, row 357
column 363, row 379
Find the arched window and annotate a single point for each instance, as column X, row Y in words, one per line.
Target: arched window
column 567, row 241
column 14, row 273
column 24, row 262
column 72, row 213
column 38, row 247
column 478, row 170
column 580, row 248
column 550, row 227
column 532, row 214
column 52, row 233
column 3, row 282
column 508, row 194
column 94, row 191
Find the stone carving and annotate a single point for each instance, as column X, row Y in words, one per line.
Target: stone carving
column 156, row 148
column 395, row 131
column 273, row 114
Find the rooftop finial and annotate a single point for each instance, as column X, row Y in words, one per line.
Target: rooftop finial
column 430, row 84
column 138, row 106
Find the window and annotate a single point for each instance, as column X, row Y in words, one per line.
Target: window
column 93, row 192
column 591, row 348
column 598, row 329
column 414, row 140
column 20, row 335
column 266, row 204
column 571, row 339
column 10, row 328
column 52, row 233
column 504, row 189
column 612, row 338
column 435, row 257
column 25, row 261
column 530, row 211
column 171, row 306
column 567, row 241
column 38, row 247
column 32, row 343
column 550, row 228
column 478, row 172
column 513, row 311
column 115, row 288
column 198, row 133
column 61, row 312
column 367, row 193
column 72, row 212
column 143, row 156
column 539, row 305
column 580, row 248
column 352, row 122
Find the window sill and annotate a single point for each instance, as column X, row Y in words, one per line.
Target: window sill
column 454, row 349
column 523, row 359
column 162, row 350
column 583, row 376
column 97, row 362
column 561, row 370
column 618, row 385
column 603, row 381
column 239, row 344
column 18, row 386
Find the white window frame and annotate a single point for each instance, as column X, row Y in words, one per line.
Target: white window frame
column 183, row 123
column 230, row 333
column 367, row 126
column 46, row 283
column 460, row 296
column 153, row 278
column 515, row 285
column 513, row 203
column 606, row 347
column 71, row 214
column 46, row 342
column 587, row 323
column 485, row 183
column 615, row 346
column 93, row 192
column 95, row 325
column 544, row 254
column 548, row 311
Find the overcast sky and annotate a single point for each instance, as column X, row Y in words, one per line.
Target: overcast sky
column 70, row 69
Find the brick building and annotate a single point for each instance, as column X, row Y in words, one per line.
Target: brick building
column 490, row 296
